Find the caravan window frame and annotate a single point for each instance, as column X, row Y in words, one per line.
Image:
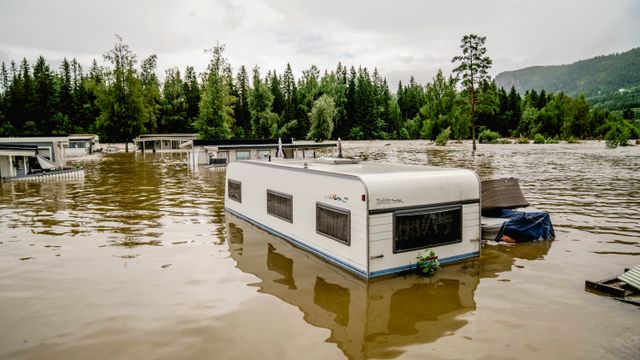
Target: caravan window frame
column 339, row 211
column 282, row 195
column 427, row 211
column 232, row 195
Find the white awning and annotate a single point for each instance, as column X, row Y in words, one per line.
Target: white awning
column 45, row 163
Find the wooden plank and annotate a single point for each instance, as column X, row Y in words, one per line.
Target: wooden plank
column 603, row 287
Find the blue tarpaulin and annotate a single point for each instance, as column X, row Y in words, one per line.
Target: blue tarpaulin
column 524, row 226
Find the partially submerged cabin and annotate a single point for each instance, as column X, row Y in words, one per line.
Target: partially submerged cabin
column 34, row 158
column 221, row 152
column 82, row 145
column 369, row 218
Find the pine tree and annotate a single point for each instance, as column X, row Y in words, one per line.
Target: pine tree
column 474, row 66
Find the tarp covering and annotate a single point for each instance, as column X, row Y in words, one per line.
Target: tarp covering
column 524, row 226
column 502, row 194
column 45, row 163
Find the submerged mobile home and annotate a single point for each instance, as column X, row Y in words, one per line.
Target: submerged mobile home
column 369, row 218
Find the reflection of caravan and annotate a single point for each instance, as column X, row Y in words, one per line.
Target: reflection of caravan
column 371, row 219
column 372, row 319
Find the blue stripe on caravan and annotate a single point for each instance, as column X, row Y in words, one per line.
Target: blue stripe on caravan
column 302, row 245
column 399, row 269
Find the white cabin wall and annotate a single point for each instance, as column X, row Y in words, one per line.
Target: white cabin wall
column 306, row 188
column 6, row 170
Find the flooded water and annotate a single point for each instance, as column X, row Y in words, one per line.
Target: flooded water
column 139, row 260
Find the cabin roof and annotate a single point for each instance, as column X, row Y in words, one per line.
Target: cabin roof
column 236, row 142
column 271, row 146
column 35, row 139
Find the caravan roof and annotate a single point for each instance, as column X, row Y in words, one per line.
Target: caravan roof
column 394, row 185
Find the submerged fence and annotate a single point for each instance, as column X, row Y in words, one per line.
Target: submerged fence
column 70, row 174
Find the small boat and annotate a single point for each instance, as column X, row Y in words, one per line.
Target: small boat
column 371, row 219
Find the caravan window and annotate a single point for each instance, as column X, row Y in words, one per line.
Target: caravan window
column 333, row 222
column 414, row 230
column 234, row 189
column 280, row 205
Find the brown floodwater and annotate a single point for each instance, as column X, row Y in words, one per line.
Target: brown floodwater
column 139, row 260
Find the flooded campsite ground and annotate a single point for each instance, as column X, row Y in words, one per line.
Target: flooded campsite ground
column 139, row 260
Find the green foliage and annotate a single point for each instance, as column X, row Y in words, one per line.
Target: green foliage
column 523, row 140
column 215, row 120
column 322, row 115
column 539, row 139
column 428, row 263
column 619, row 132
column 488, row 137
column 121, row 101
column 443, row 137
column 356, row 133
column 404, row 134
column 264, row 123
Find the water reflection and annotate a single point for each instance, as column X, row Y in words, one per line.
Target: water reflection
column 366, row 320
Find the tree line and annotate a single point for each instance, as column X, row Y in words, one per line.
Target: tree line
column 123, row 98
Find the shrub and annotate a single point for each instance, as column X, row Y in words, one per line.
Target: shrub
column 356, row 133
column 523, row 140
column 428, row 263
column 443, row 137
column 488, row 137
column 404, row 134
column 539, row 139
column 618, row 136
column 572, row 140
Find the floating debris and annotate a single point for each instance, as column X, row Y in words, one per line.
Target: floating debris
column 165, row 266
column 27, row 258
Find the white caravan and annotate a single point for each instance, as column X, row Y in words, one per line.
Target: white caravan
column 372, row 219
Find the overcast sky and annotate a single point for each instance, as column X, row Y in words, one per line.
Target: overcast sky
column 400, row 38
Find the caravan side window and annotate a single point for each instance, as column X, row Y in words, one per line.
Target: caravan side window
column 280, row 205
column 421, row 229
column 333, row 222
column 234, row 189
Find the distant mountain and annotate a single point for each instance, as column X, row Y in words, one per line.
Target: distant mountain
column 611, row 81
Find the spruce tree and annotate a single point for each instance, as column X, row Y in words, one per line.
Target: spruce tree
column 264, row 123
column 241, row 112
column 216, row 104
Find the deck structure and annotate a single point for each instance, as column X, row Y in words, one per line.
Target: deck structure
column 162, row 142
column 221, row 152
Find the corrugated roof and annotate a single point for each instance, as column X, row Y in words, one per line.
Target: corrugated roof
column 632, row 277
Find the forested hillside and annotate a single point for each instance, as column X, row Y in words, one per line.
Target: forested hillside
column 610, row 81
